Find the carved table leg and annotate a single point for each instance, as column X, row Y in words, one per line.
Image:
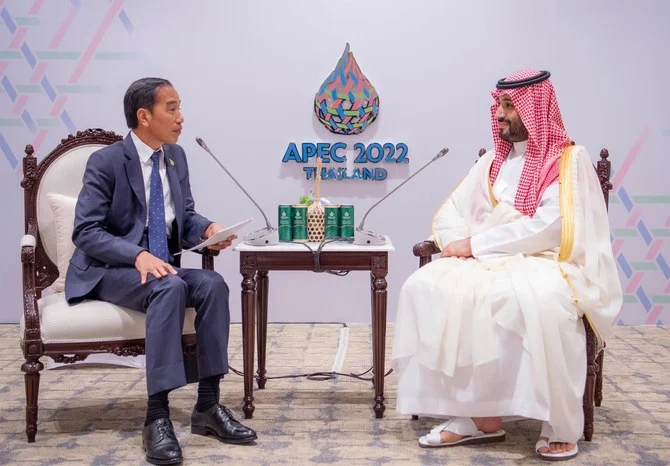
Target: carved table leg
column 262, row 316
column 372, row 308
column 32, row 369
column 378, row 274
column 248, row 314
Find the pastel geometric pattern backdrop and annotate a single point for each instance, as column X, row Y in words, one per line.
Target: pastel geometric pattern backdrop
column 641, row 236
column 40, row 79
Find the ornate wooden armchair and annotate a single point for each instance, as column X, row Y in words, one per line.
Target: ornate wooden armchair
column 49, row 326
column 594, row 352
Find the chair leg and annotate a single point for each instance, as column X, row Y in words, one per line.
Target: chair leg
column 588, row 406
column 599, row 378
column 32, row 369
column 590, row 386
column 589, row 389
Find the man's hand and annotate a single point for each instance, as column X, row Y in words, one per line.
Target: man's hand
column 146, row 263
column 213, row 229
column 460, row 248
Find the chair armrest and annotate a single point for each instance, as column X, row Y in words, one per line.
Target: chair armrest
column 208, row 258
column 209, row 252
column 204, row 251
column 424, row 251
column 32, row 338
column 425, row 248
column 28, row 240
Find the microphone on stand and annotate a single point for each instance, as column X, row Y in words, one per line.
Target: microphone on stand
column 369, row 238
column 267, row 236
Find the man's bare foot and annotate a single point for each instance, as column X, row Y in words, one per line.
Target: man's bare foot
column 556, row 447
column 485, row 424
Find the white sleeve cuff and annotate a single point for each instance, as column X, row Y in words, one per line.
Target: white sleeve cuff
column 478, row 245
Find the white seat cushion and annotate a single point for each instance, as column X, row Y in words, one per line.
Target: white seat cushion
column 91, row 321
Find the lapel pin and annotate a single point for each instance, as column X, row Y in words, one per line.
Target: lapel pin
column 171, row 162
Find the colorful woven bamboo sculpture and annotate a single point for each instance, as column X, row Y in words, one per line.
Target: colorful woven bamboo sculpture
column 346, row 102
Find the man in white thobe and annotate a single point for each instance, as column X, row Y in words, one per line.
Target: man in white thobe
column 491, row 331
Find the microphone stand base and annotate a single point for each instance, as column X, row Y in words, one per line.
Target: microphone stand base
column 263, row 237
column 368, row 238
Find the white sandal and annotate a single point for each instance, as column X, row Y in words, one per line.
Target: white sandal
column 460, row 426
column 441, row 427
column 548, row 431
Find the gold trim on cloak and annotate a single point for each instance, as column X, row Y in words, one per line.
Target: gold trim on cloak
column 567, row 205
column 494, row 201
column 566, row 193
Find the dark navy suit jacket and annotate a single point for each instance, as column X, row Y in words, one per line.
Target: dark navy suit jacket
column 111, row 213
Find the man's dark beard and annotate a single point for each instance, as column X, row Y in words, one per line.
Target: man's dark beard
column 517, row 131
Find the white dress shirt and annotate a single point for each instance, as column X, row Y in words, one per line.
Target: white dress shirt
column 530, row 234
column 145, row 152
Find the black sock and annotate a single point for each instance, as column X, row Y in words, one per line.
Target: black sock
column 157, row 407
column 208, row 393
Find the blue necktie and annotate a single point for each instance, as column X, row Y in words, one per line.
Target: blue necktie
column 157, row 235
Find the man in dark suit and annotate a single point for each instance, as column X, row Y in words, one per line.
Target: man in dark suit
column 134, row 212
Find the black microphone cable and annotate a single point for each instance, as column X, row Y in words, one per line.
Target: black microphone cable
column 319, row 376
column 317, row 255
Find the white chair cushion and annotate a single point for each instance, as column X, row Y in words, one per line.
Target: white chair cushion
column 64, row 176
column 91, row 321
column 62, row 208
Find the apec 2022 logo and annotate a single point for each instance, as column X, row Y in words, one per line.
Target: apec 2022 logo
column 347, row 104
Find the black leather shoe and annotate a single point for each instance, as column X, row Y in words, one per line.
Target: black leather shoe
column 220, row 422
column 160, row 443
